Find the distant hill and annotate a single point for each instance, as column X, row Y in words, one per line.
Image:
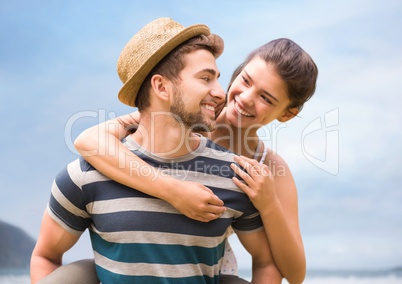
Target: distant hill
column 15, row 247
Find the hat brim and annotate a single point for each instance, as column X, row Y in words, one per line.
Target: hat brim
column 128, row 92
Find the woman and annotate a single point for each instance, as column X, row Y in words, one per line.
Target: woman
column 273, row 82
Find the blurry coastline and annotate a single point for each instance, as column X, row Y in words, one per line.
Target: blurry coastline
column 392, row 276
column 389, row 276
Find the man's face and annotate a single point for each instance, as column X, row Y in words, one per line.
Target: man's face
column 198, row 92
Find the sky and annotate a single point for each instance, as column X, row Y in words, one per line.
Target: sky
column 58, row 76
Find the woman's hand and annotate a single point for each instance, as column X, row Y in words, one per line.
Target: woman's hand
column 196, row 201
column 259, row 181
column 275, row 197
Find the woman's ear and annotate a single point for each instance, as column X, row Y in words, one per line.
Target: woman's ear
column 288, row 114
column 160, row 87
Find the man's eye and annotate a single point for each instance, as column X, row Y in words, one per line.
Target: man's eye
column 245, row 80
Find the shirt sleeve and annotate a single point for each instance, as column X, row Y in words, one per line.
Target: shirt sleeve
column 67, row 204
column 249, row 221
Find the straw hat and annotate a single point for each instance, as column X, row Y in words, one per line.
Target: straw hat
column 146, row 48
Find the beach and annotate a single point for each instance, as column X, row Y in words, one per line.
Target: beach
column 309, row 280
column 388, row 277
column 347, row 277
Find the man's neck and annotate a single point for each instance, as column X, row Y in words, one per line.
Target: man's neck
column 162, row 135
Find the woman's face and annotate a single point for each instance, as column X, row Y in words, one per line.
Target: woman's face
column 257, row 96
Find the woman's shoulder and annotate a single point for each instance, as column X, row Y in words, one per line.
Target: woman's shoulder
column 276, row 163
column 281, row 173
column 273, row 156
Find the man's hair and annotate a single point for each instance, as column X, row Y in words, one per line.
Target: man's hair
column 173, row 63
column 292, row 64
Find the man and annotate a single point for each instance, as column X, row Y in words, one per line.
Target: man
column 169, row 72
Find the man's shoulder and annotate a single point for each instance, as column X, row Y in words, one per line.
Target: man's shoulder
column 80, row 165
column 217, row 152
column 212, row 145
column 80, row 172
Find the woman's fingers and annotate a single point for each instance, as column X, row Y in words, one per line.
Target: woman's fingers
column 198, row 202
column 254, row 168
column 257, row 179
column 215, row 201
column 243, row 174
column 209, row 212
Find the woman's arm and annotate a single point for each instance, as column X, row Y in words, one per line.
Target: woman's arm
column 100, row 145
column 264, row 269
column 273, row 192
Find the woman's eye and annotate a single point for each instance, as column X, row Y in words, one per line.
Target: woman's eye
column 206, row 79
column 266, row 99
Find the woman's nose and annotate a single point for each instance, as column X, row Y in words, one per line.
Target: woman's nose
column 247, row 98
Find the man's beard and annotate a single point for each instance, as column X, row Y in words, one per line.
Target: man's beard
column 194, row 121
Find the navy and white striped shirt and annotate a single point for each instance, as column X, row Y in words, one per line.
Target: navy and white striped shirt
column 137, row 238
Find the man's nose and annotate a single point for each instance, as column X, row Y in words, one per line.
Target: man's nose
column 218, row 93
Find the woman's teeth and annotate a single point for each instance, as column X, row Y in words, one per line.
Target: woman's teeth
column 242, row 112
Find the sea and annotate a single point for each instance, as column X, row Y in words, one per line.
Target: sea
column 347, row 277
column 313, row 277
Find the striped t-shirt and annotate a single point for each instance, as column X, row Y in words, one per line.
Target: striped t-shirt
column 137, row 238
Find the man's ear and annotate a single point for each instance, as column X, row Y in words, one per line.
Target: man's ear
column 288, row 114
column 161, row 86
